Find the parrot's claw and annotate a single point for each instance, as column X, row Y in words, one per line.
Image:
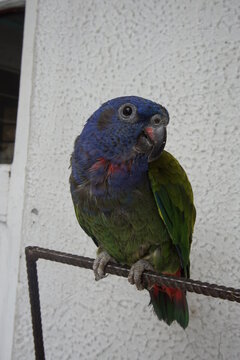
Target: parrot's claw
column 99, row 265
column 136, row 271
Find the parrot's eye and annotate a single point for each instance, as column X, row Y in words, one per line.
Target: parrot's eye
column 128, row 112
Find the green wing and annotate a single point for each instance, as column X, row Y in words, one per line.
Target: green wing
column 76, row 197
column 174, row 198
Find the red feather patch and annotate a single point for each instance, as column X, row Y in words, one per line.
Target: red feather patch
column 98, row 164
column 177, row 294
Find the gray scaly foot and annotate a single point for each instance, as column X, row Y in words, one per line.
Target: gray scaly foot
column 135, row 274
column 100, row 263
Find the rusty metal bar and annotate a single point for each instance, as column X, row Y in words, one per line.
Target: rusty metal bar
column 33, row 253
column 33, row 287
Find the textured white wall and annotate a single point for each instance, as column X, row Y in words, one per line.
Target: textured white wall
column 12, row 181
column 185, row 55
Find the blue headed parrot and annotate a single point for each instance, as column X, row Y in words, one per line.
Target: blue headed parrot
column 134, row 199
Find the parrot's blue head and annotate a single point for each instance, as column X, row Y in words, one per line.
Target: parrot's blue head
column 126, row 132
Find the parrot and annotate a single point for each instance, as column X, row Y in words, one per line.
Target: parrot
column 134, row 199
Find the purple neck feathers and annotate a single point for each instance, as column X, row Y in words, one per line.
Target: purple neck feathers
column 108, row 178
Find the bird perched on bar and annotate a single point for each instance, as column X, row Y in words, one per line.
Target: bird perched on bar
column 134, row 199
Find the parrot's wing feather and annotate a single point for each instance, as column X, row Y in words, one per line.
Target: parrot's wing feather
column 75, row 197
column 87, row 231
column 174, row 198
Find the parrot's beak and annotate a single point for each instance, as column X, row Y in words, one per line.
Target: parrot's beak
column 158, row 137
column 152, row 141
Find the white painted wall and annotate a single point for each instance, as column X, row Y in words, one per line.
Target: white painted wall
column 5, row 171
column 12, row 180
column 184, row 54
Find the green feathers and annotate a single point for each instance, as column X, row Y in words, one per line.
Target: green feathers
column 153, row 222
column 174, row 198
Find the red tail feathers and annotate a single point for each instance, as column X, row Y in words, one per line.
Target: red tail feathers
column 170, row 304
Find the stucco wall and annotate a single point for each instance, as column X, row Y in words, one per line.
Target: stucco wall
column 185, row 55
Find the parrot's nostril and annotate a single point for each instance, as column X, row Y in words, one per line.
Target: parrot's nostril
column 157, row 121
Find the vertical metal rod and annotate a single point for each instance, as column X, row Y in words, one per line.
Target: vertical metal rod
column 33, row 287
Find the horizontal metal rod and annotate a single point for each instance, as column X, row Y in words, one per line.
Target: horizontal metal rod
column 217, row 291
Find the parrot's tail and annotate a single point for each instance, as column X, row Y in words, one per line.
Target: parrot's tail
column 170, row 304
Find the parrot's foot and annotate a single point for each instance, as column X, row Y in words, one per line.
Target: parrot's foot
column 100, row 263
column 136, row 271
